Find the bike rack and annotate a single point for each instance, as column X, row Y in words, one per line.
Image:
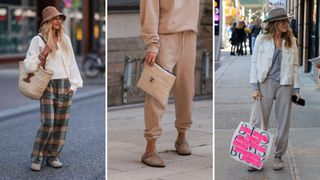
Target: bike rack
column 205, row 69
column 132, row 72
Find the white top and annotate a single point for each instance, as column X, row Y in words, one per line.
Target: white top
column 56, row 66
column 62, row 64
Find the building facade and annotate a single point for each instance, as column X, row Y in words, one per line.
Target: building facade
column 20, row 21
column 307, row 14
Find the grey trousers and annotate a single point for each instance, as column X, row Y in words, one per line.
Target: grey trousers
column 271, row 91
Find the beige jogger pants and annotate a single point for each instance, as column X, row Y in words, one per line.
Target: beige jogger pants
column 177, row 54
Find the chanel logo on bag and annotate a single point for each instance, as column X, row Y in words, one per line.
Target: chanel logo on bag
column 151, row 79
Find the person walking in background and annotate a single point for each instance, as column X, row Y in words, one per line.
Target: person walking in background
column 250, row 34
column 255, row 31
column 169, row 33
column 247, row 35
column 53, row 48
column 274, row 76
column 241, row 37
column 229, row 31
column 233, row 39
column 294, row 27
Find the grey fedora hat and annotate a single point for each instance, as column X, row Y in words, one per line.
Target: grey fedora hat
column 276, row 14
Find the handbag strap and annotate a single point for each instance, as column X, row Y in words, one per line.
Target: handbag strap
column 253, row 117
column 42, row 38
column 64, row 66
column 45, row 42
column 30, row 75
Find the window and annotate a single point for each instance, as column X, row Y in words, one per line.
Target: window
column 123, row 5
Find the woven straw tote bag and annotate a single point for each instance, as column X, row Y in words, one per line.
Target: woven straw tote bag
column 157, row 82
column 32, row 85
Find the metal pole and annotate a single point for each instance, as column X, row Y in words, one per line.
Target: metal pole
column 237, row 8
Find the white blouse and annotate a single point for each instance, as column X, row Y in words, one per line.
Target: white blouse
column 62, row 63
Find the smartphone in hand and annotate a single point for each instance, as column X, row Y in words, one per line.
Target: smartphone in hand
column 300, row 102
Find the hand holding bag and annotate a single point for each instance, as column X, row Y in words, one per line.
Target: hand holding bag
column 251, row 145
column 32, row 85
column 157, row 82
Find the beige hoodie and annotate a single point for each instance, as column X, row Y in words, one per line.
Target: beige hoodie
column 164, row 17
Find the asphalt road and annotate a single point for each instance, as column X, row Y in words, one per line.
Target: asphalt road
column 83, row 154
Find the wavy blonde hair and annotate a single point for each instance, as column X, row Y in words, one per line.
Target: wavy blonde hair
column 288, row 36
column 48, row 33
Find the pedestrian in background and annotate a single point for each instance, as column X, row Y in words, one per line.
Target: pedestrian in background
column 247, row 36
column 255, row 31
column 169, row 33
column 52, row 47
column 241, row 37
column 294, row 27
column 233, row 39
column 275, row 77
column 250, row 35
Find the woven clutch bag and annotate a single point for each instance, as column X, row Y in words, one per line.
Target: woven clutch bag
column 32, row 85
column 157, row 82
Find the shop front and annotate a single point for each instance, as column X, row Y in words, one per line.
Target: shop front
column 18, row 24
column 307, row 14
column 20, row 21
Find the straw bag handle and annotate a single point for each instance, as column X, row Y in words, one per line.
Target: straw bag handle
column 41, row 63
column 29, row 75
column 253, row 113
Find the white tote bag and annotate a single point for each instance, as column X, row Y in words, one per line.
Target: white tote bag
column 251, row 145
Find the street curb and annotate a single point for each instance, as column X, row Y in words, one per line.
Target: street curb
column 223, row 68
column 34, row 105
column 292, row 164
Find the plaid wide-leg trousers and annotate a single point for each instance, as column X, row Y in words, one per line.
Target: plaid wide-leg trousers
column 55, row 106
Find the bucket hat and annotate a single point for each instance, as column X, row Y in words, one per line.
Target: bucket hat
column 50, row 12
column 276, row 14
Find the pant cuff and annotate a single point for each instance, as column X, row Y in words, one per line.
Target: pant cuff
column 182, row 130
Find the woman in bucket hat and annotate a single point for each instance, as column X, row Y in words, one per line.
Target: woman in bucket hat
column 53, row 48
column 274, row 76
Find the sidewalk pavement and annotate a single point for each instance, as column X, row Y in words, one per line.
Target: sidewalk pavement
column 12, row 103
column 233, row 104
column 126, row 145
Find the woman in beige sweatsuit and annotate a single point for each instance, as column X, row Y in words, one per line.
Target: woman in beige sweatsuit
column 168, row 29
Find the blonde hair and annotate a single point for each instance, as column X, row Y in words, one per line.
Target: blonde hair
column 48, row 33
column 270, row 30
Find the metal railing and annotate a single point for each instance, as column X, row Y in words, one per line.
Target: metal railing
column 205, row 70
column 132, row 72
column 133, row 68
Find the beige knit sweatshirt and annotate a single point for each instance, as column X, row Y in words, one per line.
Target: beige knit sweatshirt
column 164, row 17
